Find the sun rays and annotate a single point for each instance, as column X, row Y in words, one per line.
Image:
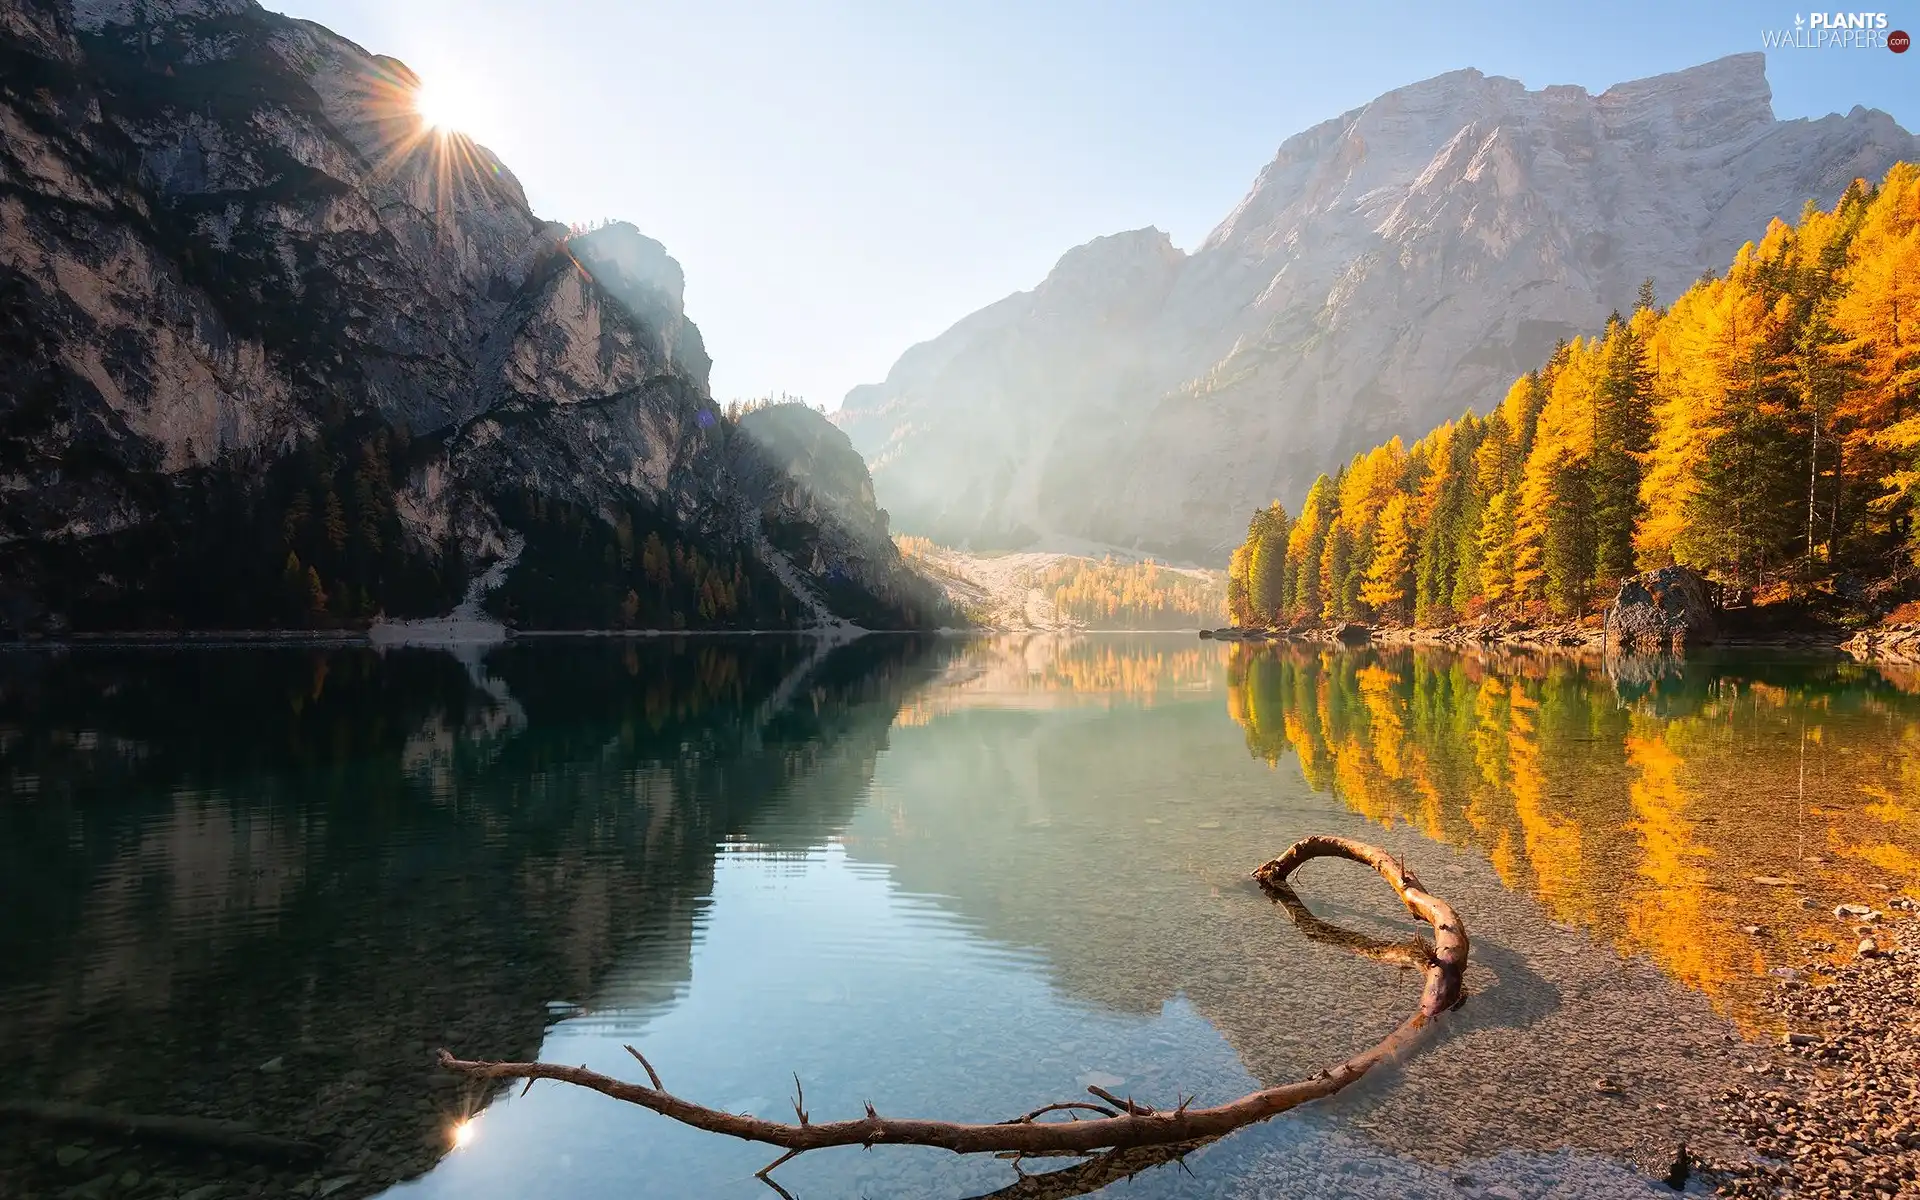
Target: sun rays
column 423, row 135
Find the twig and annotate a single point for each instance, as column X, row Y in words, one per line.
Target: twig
column 1129, row 1105
column 1066, row 1106
column 651, row 1073
column 764, row 1174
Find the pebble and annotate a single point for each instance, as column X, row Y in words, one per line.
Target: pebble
column 1838, row 1118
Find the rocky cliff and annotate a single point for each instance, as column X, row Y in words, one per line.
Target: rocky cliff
column 1390, row 268
column 274, row 353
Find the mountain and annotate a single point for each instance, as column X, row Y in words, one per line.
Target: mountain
column 273, row 353
column 1390, row 268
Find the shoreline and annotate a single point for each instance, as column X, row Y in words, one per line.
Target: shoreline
column 415, row 639
column 432, row 636
column 1898, row 644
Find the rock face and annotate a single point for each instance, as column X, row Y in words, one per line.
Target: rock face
column 258, row 324
column 811, row 499
column 1667, row 609
column 1390, row 268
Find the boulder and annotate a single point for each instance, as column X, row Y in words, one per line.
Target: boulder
column 1352, row 633
column 1667, row 609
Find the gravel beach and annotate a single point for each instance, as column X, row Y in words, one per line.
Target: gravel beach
column 1840, row 1115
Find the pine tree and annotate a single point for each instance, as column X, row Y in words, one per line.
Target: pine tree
column 1568, row 552
column 1389, row 576
column 1821, row 378
column 293, row 583
column 1267, row 563
column 1306, row 545
column 1623, row 421
column 336, row 522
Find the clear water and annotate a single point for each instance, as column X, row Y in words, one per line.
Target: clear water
column 951, row 878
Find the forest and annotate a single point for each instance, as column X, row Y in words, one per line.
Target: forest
column 1106, row 594
column 1763, row 430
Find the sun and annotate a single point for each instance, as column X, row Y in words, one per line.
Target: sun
column 440, row 107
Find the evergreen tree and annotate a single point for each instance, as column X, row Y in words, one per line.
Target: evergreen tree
column 1388, row 584
column 1568, row 552
column 1305, row 547
column 1267, row 563
column 1623, row 422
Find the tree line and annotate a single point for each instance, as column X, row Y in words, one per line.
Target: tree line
column 1107, row 594
column 1764, row 429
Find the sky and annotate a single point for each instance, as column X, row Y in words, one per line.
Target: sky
column 841, row 180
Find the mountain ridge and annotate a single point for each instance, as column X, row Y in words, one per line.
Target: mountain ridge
column 278, row 355
column 1388, row 268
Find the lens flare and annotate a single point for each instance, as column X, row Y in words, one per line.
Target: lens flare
column 463, row 1134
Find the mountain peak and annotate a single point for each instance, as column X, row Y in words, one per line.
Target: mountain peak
column 1112, row 254
column 1729, row 96
column 1389, row 267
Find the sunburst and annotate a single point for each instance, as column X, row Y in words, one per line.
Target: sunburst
column 441, row 108
column 423, row 130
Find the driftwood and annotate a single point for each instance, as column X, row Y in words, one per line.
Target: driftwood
column 1118, row 1124
column 231, row 1137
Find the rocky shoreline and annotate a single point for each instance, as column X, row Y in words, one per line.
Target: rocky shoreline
column 1896, row 643
column 1563, row 636
column 1839, row 1115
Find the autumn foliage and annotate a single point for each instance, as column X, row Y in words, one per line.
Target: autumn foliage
column 1109, row 594
column 1765, row 427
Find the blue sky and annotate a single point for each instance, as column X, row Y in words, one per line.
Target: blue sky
column 841, row 180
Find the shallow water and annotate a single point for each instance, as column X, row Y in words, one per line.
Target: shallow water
column 952, row 878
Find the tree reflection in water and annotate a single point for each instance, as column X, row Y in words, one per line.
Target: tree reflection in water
column 1670, row 806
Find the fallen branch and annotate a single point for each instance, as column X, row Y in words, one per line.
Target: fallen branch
column 1130, row 1125
column 1095, row 1173
column 231, row 1137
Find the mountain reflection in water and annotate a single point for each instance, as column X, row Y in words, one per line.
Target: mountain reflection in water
column 955, row 877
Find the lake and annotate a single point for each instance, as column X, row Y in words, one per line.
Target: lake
column 950, row 877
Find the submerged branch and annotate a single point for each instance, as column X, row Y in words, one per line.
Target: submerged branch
column 1128, row 1124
